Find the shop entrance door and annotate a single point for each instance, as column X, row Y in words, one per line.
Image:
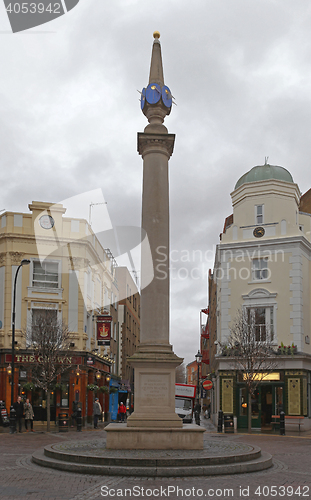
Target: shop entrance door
column 256, row 409
column 242, row 413
column 266, row 406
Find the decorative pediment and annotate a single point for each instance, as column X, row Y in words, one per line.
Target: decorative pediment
column 259, row 293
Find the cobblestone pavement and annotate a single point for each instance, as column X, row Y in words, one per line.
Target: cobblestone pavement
column 290, row 475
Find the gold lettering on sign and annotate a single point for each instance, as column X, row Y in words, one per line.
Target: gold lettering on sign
column 227, row 395
column 293, row 396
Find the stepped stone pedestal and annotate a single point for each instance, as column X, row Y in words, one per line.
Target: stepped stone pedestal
column 154, row 425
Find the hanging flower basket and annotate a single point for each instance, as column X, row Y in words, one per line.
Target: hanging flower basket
column 28, row 386
column 104, row 388
column 60, row 387
column 113, row 390
column 92, row 387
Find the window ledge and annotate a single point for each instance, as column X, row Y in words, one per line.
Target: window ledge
column 259, row 281
column 44, row 289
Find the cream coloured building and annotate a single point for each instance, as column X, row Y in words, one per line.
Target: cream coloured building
column 263, row 264
column 71, row 274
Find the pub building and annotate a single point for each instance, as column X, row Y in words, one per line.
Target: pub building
column 75, row 384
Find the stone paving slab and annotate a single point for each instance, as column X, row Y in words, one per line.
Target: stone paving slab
column 21, row 479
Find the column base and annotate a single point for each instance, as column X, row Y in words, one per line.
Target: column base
column 122, row 437
column 154, row 419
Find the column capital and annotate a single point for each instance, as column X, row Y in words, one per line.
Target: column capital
column 155, row 143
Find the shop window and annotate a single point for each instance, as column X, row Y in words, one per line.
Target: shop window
column 243, row 401
column 45, row 275
column 278, row 400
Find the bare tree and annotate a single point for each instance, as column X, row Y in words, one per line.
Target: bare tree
column 180, row 374
column 47, row 339
column 251, row 349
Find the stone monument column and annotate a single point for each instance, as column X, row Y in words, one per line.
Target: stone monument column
column 154, row 423
column 154, row 362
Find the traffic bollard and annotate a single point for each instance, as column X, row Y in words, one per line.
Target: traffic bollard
column 282, row 423
column 12, row 420
column 79, row 419
column 220, row 417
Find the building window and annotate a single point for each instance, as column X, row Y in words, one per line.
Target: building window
column 39, row 319
column 260, row 269
column 45, row 275
column 261, row 321
column 259, row 214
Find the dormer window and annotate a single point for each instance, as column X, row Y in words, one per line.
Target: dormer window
column 259, row 214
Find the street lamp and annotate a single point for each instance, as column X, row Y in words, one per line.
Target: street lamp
column 198, row 358
column 24, row 262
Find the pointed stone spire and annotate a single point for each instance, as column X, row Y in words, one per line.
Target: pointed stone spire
column 156, row 67
column 156, row 99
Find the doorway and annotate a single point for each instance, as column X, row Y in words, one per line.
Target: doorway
column 266, row 401
column 266, row 406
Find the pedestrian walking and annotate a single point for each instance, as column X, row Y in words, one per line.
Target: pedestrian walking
column 122, row 411
column 19, row 409
column 97, row 411
column 29, row 414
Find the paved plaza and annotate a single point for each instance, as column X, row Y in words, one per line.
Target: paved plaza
column 290, row 475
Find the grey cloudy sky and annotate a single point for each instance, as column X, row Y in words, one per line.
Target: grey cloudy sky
column 240, row 72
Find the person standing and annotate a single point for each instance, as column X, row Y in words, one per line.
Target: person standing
column 19, row 409
column 97, row 411
column 122, row 412
column 29, row 414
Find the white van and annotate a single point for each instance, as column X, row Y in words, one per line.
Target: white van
column 184, row 401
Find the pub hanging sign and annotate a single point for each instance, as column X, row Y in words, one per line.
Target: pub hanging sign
column 103, row 326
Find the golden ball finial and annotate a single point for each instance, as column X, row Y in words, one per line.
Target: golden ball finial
column 156, row 34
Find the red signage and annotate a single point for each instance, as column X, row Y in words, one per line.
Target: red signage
column 104, row 330
column 207, row 385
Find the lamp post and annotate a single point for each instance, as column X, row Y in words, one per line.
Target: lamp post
column 108, row 413
column 24, row 262
column 198, row 358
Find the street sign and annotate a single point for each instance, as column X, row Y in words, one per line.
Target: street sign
column 207, row 385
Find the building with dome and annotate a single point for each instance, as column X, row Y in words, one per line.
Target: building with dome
column 263, row 267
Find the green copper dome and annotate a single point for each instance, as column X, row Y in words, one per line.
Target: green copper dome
column 264, row 172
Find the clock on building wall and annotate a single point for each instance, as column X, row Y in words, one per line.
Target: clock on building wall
column 258, row 232
column 46, row 221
